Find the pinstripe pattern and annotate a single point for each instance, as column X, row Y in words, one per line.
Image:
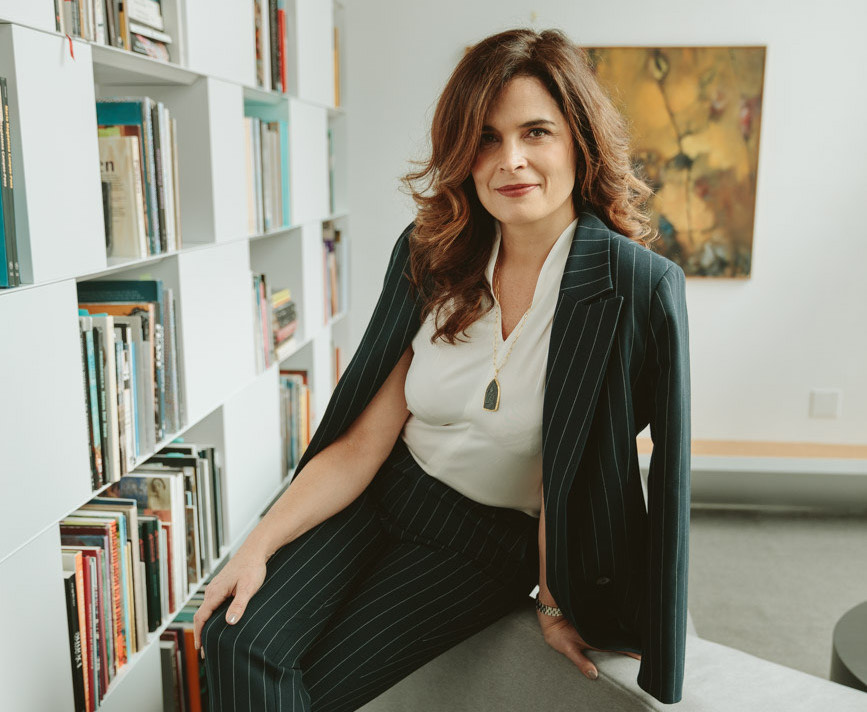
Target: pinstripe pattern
column 618, row 360
column 406, row 571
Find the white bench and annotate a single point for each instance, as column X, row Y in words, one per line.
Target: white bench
column 508, row 667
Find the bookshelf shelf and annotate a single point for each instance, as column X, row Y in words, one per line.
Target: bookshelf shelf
column 229, row 402
column 112, row 65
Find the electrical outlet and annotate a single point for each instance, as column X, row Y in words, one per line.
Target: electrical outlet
column 825, row 402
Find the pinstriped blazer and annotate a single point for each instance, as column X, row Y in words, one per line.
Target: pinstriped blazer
column 618, row 360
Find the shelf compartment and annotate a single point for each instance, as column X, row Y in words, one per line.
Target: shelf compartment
column 209, row 113
column 55, row 154
column 43, row 431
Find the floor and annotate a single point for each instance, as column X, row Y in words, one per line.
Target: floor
column 774, row 582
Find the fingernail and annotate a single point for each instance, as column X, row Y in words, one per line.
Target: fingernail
column 202, row 653
column 592, row 674
column 233, row 618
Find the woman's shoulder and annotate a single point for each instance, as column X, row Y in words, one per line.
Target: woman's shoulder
column 635, row 267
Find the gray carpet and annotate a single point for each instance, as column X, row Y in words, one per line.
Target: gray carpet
column 774, row 583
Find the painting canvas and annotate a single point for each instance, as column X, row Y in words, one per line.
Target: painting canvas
column 694, row 115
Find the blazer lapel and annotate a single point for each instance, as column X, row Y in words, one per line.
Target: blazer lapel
column 582, row 332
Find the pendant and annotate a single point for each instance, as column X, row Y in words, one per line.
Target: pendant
column 492, row 395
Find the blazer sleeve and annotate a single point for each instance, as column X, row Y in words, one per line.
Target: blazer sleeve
column 388, row 333
column 668, row 492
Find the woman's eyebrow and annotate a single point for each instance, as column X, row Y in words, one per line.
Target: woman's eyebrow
column 525, row 125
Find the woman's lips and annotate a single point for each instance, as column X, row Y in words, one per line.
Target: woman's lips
column 515, row 192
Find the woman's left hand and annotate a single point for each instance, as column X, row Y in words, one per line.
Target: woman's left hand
column 561, row 635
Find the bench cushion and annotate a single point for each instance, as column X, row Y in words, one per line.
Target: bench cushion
column 508, row 666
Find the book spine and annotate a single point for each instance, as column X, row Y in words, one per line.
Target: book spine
column 150, row 180
column 175, row 403
column 257, row 36
column 88, row 406
column 110, row 25
column 118, row 405
column 159, row 140
column 272, row 33
column 69, row 586
column 149, row 553
column 8, row 190
column 93, row 400
column 99, row 363
column 8, row 269
column 102, row 659
column 99, row 21
column 140, row 201
column 168, row 180
column 120, row 635
column 161, row 353
column 126, row 395
column 176, row 183
column 81, row 599
column 281, row 28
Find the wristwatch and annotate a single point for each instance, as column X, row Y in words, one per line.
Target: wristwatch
column 547, row 610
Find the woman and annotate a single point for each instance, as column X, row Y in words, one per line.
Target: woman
column 482, row 439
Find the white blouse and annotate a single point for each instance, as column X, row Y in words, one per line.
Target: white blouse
column 492, row 457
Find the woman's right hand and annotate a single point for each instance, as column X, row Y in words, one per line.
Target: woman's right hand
column 241, row 577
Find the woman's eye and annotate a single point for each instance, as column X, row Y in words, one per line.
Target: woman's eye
column 544, row 131
column 487, row 138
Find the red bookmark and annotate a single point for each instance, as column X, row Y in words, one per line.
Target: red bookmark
column 71, row 53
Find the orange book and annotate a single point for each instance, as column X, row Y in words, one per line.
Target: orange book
column 191, row 657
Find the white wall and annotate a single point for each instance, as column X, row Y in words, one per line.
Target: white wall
column 758, row 345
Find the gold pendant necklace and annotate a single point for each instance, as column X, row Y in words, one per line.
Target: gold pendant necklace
column 492, row 392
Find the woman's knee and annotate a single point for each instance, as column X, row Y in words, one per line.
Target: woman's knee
column 280, row 643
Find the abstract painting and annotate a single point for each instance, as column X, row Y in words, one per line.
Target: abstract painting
column 694, row 115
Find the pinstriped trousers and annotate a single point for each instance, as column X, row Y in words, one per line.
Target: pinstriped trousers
column 355, row 604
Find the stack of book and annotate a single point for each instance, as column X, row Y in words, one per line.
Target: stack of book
column 135, row 25
column 138, row 160
column 131, row 556
column 266, row 149
column 331, row 273
column 10, row 273
column 270, row 22
column 130, row 370
column 285, row 323
column 294, row 416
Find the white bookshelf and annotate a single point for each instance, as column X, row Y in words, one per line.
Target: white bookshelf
column 45, row 468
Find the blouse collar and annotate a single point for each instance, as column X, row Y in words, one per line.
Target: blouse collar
column 556, row 255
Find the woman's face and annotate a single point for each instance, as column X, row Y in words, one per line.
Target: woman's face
column 526, row 142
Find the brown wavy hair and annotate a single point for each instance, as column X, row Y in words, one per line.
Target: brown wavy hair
column 453, row 234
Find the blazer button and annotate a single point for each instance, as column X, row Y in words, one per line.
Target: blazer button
column 602, row 580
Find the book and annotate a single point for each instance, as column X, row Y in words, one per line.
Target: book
column 71, row 588
column 120, row 168
column 12, row 276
